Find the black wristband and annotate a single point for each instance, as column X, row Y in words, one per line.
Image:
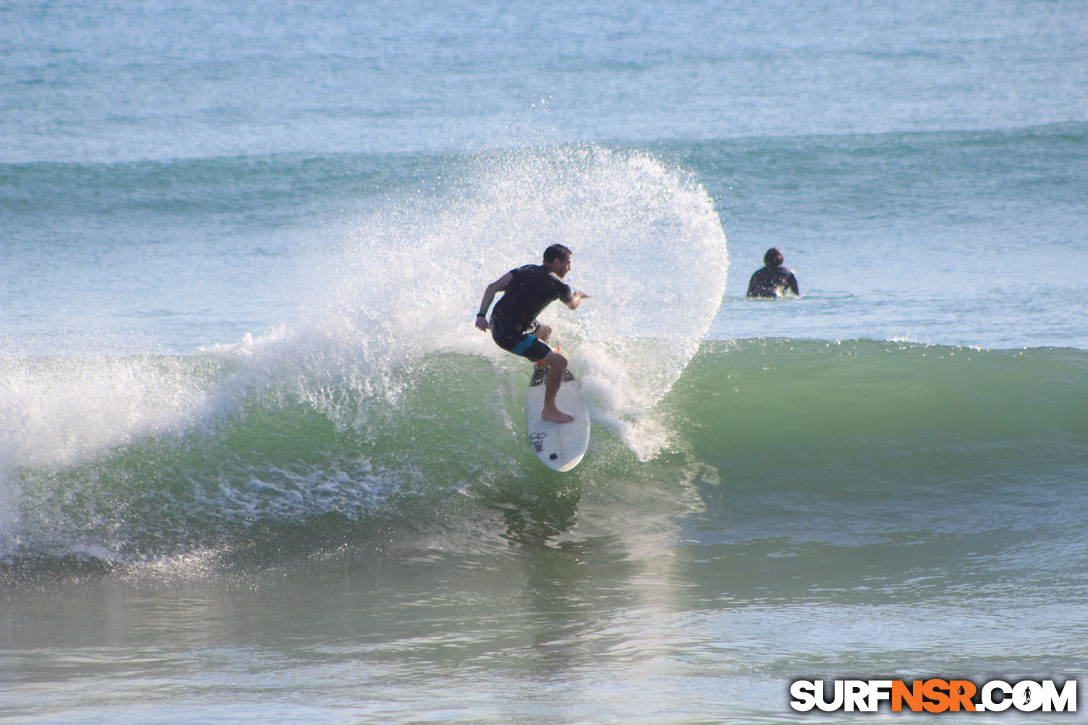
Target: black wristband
column 480, row 314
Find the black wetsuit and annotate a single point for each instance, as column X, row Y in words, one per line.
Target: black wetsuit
column 771, row 281
column 532, row 288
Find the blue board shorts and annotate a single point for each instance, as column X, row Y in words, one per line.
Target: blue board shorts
column 525, row 344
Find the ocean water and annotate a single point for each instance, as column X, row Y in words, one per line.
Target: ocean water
column 257, row 465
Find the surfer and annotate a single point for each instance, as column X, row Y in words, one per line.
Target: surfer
column 526, row 292
column 774, row 279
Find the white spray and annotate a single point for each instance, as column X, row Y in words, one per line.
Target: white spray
column 648, row 246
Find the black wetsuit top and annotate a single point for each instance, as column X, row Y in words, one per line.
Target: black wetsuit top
column 771, row 282
column 532, row 288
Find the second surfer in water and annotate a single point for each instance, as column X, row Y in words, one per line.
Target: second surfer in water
column 773, row 280
column 526, row 292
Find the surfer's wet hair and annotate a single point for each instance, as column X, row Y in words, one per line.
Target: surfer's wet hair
column 772, row 257
column 556, row 251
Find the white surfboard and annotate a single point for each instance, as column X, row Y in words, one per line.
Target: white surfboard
column 559, row 446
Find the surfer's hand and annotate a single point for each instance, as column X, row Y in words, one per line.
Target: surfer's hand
column 575, row 299
column 481, row 324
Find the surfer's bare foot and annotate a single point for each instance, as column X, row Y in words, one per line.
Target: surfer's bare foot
column 556, row 416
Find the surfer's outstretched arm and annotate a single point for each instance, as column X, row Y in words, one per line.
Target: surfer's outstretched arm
column 576, row 299
column 489, row 296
